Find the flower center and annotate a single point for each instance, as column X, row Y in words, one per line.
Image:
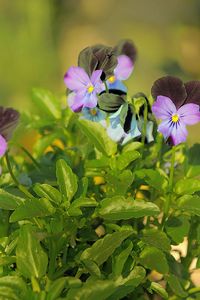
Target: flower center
column 93, row 112
column 175, row 118
column 111, row 79
column 90, row 89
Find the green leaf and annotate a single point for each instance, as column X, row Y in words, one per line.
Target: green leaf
column 92, row 290
column 45, row 141
column 156, row 287
column 156, row 238
column 9, row 201
column 48, row 192
column 187, row 186
column 92, row 267
column 102, row 249
column 67, row 180
column 119, row 208
column 97, row 135
column 84, row 202
column 32, row 208
column 175, row 285
column 190, row 204
column 14, row 284
column 46, row 103
column 152, row 178
column 131, row 147
column 31, row 259
column 120, row 259
column 111, row 102
column 59, row 284
column 126, row 158
column 177, row 228
column 149, row 259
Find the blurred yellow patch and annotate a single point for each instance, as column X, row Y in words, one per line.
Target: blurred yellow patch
column 58, row 143
column 98, row 180
column 144, row 187
column 100, row 231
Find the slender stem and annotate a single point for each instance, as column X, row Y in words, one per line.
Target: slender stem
column 170, row 185
column 159, row 149
column 21, row 187
column 30, row 156
column 144, row 127
column 106, row 86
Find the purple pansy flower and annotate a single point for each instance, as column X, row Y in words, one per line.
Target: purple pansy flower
column 8, row 121
column 177, row 105
column 85, row 88
column 122, row 72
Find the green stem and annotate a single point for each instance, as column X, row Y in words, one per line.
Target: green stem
column 144, row 127
column 106, row 87
column 21, row 187
column 170, row 185
column 30, row 156
column 159, row 149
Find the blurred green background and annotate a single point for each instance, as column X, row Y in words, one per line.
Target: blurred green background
column 40, row 39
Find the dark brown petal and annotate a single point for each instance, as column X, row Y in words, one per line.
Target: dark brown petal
column 8, row 121
column 98, row 57
column 171, row 87
column 128, row 48
column 193, row 92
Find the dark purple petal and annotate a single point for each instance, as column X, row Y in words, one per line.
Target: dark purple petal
column 76, row 78
column 76, row 100
column 127, row 48
column 171, row 87
column 163, row 108
column 3, row 146
column 8, row 121
column 124, row 67
column 189, row 113
column 179, row 133
column 193, row 92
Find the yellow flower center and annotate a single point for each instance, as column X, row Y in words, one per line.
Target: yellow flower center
column 90, row 89
column 111, row 79
column 175, row 118
column 93, row 112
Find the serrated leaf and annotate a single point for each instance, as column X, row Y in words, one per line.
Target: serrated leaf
column 187, row 186
column 119, row 208
column 190, row 204
column 126, row 158
column 103, row 248
column 9, row 201
column 156, row 238
column 32, row 208
column 49, row 192
column 149, row 259
column 67, row 180
column 97, row 135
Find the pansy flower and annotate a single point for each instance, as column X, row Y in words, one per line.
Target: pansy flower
column 85, row 88
column 8, row 121
column 93, row 114
column 177, row 105
column 126, row 56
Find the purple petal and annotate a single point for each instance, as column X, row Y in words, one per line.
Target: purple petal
column 124, row 67
column 189, row 113
column 163, row 107
column 76, row 100
column 3, row 146
column 96, row 77
column 170, row 87
column 179, row 133
column 90, row 100
column 193, row 92
column 76, row 78
column 165, row 128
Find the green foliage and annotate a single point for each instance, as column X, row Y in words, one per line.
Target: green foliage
column 93, row 221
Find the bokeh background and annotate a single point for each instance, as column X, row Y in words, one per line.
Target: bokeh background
column 40, row 39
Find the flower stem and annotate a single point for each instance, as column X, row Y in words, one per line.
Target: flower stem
column 30, row 156
column 21, row 187
column 170, row 185
column 106, row 86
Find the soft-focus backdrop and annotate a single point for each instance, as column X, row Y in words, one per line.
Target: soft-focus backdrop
column 39, row 40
